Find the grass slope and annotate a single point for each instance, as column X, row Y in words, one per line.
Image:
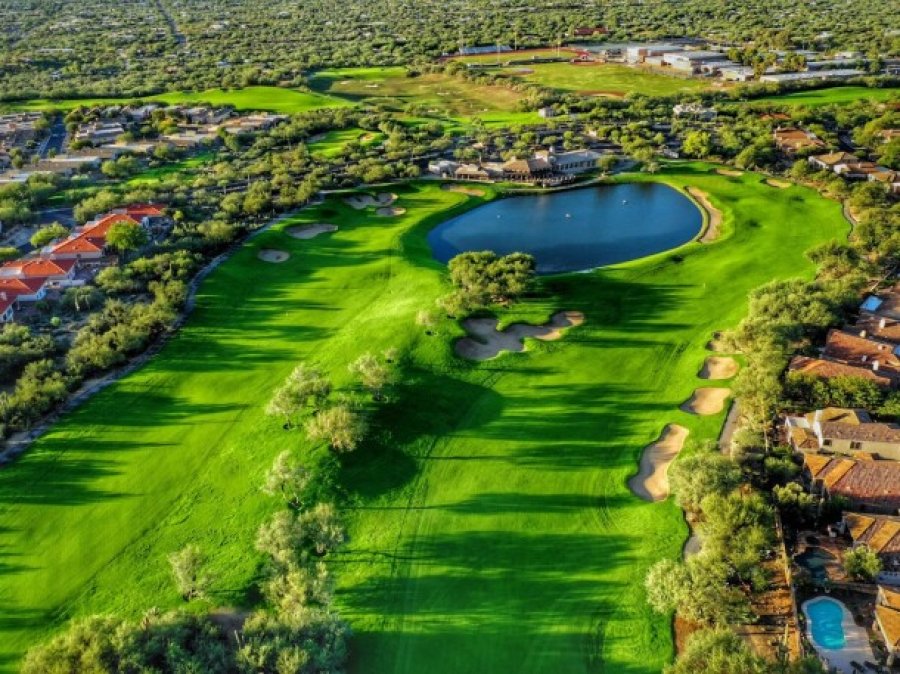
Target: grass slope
column 833, row 96
column 491, row 529
column 272, row 99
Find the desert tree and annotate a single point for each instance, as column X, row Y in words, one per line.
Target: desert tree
column 187, row 568
column 342, row 427
column 322, row 528
column 372, row 373
column 288, row 479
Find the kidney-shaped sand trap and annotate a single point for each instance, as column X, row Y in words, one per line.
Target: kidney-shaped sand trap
column 361, row 201
column 652, row 482
column 486, row 341
column 719, row 367
column 310, row 231
column 272, row 255
column 389, row 211
column 706, row 401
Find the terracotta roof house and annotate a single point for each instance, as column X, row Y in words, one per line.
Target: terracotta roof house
column 826, row 369
column 831, row 160
column 24, row 290
column 526, row 169
column 140, row 211
column 880, row 327
column 98, row 229
column 852, row 349
column 791, row 140
column 887, row 621
column 77, row 248
column 867, row 485
column 879, row 533
column 53, row 270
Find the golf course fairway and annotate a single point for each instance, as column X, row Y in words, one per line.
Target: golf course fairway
column 490, row 525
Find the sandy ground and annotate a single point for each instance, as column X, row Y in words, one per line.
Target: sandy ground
column 310, row 231
column 728, row 172
column 718, row 367
column 462, row 189
column 389, row 211
column 272, row 255
column 486, row 341
column 361, row 201
column 780, row 184
column 652, row 482
column 714, row 215
column 706, row 401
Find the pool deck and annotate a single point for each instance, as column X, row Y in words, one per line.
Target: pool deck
column 856, row 647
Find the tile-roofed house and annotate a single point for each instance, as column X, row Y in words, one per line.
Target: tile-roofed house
column 24, row 289
column 849, row 348
column 879, row 533
column 832, row 159
column 98, row 229
column 868, row 486
column 526, row 169
column 879, row 327
column 792, row 139
column 843, row 431
column 887, row 620
column 886, row 303
column 76, row 248
column 826, row 369
column 53, row 270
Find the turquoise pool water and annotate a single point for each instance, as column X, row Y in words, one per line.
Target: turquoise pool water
column 825, row 618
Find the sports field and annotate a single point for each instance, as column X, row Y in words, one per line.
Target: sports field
column 490, row 526
column 272, row 99
column 834, row 96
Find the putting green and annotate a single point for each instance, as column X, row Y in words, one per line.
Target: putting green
column 491, row 528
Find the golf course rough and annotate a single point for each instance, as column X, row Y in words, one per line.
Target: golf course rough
column 491, row 528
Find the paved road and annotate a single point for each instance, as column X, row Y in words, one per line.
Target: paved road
column 56, row 141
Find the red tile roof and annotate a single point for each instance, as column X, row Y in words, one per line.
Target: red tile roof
column 37, row 268
column 99, row 228
column 79, row 244
column 22, row 286
column 142, row 211
column 855, row 350
column 828, row 368
column 870, row 483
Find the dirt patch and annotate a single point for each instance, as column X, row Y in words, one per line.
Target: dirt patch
column 718, row 367
column 780, row 184
column 361, row 201
column 310, row 231
column 713, row 215
column 706, row 401
column 462, row 189
column 486, row 341
column 389, row 211
column 523, row 71
column 599, row 93
column 729, row 172
column 272, row 255
column 652, row 482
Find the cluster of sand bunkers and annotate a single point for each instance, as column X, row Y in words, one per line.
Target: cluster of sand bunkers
column 486, row 341
column 303, row 232
column 384, row 203
column 651, row 482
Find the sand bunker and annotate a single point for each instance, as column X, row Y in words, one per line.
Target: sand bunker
column 310, row 231
column 462, row 189
column 272, row 255
column 361, row 201
column 719, row 367
column 486, row 341
column 706, row 401
column 652, row 481
column 728, row 172
column 780, row 184
column 389, row 211
column 714, row 215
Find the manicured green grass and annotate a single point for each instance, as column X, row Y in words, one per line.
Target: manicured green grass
column 272, row 99
column 592, row 78
column 183, row 169
column 332, row 142
column 833, row 96
column 490, row 526
column 435, row 94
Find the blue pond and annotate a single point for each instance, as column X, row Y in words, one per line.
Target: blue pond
column 574, row 230
column 825, row 618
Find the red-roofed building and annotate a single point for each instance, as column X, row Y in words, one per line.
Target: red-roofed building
column 98, row 229
column 59, row 271
column 80, row 247
column 24, row 290
column 140, row 211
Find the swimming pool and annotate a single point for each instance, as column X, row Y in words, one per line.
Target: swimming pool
column 826, row 617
